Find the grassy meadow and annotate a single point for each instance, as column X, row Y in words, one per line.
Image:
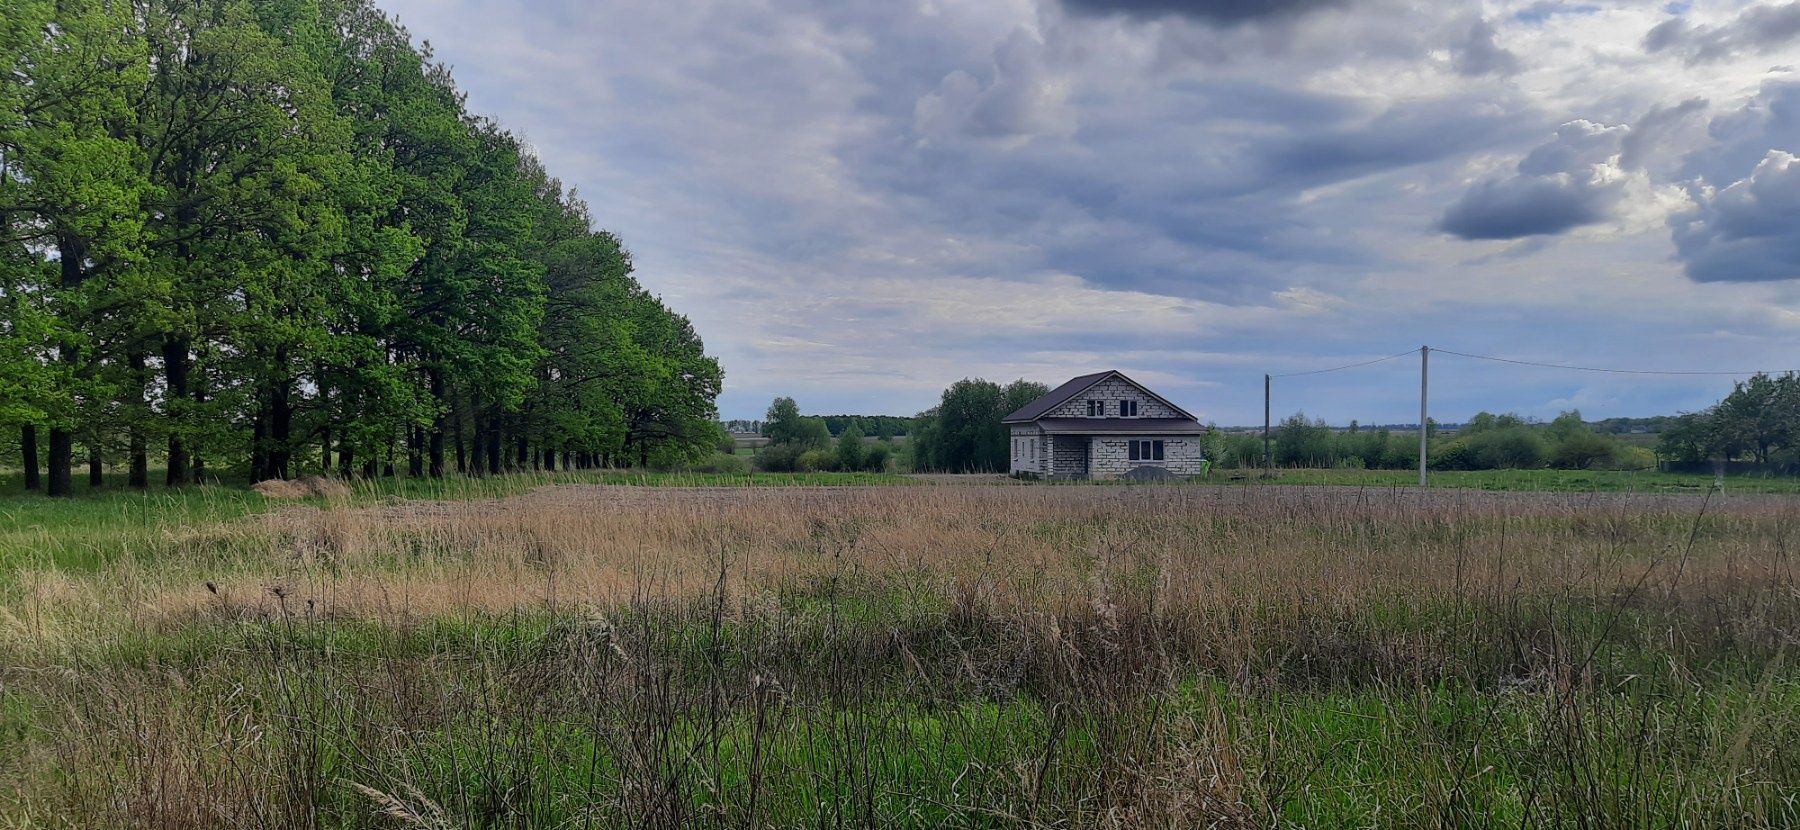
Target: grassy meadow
column 574, row 652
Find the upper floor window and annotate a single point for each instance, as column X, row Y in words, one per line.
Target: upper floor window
column 1096, row 409
column 1128, row 409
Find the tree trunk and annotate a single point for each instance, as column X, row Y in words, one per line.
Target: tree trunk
column 28, row 455
column 175, row 374
column 522, row 453
column 493, row 442
column 281, row 419
column 415, row 451
column 71, row 256
column 346, row 459
column 462, row 460
column 96, row 469
column 139, row 449
column 436, row 450
column 325, row 450
column 62, row 451
column 199, row 463
column 259, row 442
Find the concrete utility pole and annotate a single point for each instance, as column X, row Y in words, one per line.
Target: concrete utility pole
column 1268, row 461
column 1424, row 432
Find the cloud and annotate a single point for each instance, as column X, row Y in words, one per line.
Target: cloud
column 1478, row 54
column 1748, row 231
column 1758, row 30
column 1744, row 223
column 859, row 202
column 1021, row 99
column 1207, row 11
column 1562, row 184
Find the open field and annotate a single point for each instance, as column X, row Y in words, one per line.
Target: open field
column 1003, row 656
column 1555, row 481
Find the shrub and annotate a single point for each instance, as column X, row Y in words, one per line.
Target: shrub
column 813, row 461
column 1507, row 448
column 1581, row 450
column 876, row 459
column 779, row 458
column 850, row 448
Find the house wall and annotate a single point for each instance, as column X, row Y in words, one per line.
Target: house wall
column 1023, row 459
column 1112, row 390
column 1069, row 458
column 1111, row 455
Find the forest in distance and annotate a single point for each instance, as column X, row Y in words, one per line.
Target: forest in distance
column 267, row 237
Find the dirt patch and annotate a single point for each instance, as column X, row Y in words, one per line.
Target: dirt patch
column 300, row 488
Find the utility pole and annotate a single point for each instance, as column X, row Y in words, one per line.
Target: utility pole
column 1268, row 460
column 1424, row 431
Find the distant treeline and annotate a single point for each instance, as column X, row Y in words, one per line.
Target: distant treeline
column 801, row 443
column 1487, row 441
column 267, row 236
column 878, row 426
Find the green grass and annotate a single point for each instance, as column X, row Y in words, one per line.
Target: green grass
column 1554, row 481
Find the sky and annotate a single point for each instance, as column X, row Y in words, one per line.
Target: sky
column 858, row 203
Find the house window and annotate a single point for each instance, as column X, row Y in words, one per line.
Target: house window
column 1146, row 449
column 1031, row 448
column 1096, row 409
column 1128, row 409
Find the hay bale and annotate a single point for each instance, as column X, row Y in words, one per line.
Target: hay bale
column 275, row 488
column 300, row 488
column 323, row 487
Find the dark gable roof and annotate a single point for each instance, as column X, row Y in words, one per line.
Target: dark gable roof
column 1054, row 398
column 1075, row 386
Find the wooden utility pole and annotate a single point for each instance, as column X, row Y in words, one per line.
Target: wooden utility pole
column 1268, row 460
column 1424, row 430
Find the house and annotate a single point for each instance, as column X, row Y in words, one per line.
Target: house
column 1104, row 425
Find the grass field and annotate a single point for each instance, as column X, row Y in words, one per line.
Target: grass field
column 561, row 653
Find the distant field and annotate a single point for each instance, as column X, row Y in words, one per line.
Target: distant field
column 1638, row 481
column 559, row 653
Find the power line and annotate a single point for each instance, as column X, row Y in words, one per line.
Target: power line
column 1406, row 353
column 1598, row 369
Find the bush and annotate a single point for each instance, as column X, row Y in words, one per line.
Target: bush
column 876, row 459
column 1582, row 450
column 814, row 461
column 718, row 463
column 779, row 458
column 850, row 448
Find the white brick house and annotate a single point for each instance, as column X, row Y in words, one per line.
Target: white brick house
column 1104, row 425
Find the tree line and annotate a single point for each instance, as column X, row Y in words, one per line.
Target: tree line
column 803, row 443
column 1487, row 441
column 1758, row 420
column 268, row 235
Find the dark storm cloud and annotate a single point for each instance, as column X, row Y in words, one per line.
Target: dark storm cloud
column 1745, row 223
column 1525, row 206
column 1749, row 231
column 1207, row 11
column 1557, row 187
column 1759, row 29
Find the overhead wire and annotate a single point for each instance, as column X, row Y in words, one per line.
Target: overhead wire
column 1347, row 366
column 1575, row 368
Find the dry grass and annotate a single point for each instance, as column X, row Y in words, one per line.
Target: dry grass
column 957, row 655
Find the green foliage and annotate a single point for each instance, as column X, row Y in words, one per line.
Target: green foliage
column 964, row 433
column 814, row 461
column 267, row 233
column 850, row 451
